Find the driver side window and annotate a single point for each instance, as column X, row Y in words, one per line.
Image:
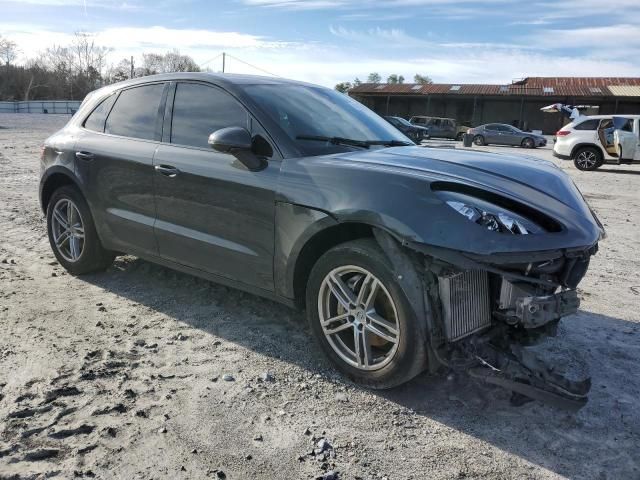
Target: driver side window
column 199, row 110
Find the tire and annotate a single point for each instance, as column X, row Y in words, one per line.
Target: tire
column 588, row 159
column 528, row 143
column 479, row 140
column 386, row 364
column 80, row 251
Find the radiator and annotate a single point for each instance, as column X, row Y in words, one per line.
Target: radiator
column 465, row 303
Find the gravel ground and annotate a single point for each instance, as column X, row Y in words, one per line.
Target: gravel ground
column 142, row 372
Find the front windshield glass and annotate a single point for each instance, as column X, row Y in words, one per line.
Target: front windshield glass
column 403, row 121
column 307, row 111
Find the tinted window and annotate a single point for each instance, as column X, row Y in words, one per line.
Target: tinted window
column 95, row 121
column 135, row 112
column 199, row 110
column 587, row 125
column 493, row 128
column 503, row 128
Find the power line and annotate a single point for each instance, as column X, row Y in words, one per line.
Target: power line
column 253, row 66
column 211, row 59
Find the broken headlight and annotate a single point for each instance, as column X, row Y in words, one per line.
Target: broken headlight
column 490, row 216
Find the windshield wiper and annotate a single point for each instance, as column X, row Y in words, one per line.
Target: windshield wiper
column 336, row 140
column 390, row 143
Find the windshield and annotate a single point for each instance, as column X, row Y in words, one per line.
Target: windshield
column 311, row 112
column 403, row 121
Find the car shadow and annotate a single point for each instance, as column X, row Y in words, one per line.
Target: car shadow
column 607, row 430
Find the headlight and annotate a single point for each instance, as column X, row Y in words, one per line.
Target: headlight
column 492, row 217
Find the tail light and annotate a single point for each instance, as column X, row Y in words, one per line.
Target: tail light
column 562, row 133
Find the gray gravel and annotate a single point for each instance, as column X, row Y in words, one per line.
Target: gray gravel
column 118, row 374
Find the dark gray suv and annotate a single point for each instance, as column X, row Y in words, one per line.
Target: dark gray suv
column 406, row 258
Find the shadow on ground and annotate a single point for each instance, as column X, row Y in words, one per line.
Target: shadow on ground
column 607, row 430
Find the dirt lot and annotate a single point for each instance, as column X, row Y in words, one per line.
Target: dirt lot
column 124, row 374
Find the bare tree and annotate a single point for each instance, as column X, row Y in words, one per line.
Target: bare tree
column 8, row 50
column 173, row 61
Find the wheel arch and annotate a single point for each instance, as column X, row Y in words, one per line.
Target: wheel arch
column 576, row 148
column 54, row 179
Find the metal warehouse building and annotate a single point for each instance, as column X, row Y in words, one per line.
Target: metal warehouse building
column 517, row 103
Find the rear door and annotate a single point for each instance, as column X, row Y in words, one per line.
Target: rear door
column 626, row 140
column 114, row 154
column 491, row 134
column 213, row 213
column 607, row 138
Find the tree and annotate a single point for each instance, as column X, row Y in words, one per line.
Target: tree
column 422, row 79
column 357, row 82
column 374, row 78
column 394, row 78
column 173, row 61
column 343, row 87
column 8, row 50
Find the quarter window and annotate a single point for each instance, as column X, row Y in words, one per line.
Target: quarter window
column 588, row 125
column 135, row 112
column 95, row 121
column 199, row 110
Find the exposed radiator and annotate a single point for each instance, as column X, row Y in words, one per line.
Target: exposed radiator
column 465, row 303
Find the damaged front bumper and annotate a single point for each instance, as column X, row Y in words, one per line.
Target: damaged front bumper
column 497, row 316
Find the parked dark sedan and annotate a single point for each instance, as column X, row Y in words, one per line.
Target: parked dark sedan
column 503, row 134
column 414, row 132
column 406, row 258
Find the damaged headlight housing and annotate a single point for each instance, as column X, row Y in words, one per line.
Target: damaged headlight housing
column 492, row 217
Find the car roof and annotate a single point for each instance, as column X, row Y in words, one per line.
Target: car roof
column 623, row 115
column 221, row 79
column 435, row 118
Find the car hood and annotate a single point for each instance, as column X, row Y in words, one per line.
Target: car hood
column 391, row 187
column 512, row 174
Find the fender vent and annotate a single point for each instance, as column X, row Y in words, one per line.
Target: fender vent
column 465, row 303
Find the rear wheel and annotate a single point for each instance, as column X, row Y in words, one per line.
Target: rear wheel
column 72, row 233
column 528, row 143
column 361, row 318
column 587, row 159
column 479, row 140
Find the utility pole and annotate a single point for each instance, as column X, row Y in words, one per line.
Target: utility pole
column 224, row 55
column 131, row 76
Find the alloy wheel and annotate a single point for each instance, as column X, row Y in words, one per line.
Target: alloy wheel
column 68, row 230
column 586, row 159
column 358, row 317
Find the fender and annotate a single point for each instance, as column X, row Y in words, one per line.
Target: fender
column 58, row 170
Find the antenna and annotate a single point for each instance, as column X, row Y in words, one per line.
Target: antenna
column 224, row 57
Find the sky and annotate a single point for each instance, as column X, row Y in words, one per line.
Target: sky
column 330, row 41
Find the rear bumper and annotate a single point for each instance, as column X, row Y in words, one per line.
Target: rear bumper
column 561, row 156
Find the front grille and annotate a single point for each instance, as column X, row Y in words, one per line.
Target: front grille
column 465, row 303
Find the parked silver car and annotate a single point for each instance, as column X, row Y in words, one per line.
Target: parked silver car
column 503, row 134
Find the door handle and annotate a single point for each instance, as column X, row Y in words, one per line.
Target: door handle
column 86, row 156
column 167, row 170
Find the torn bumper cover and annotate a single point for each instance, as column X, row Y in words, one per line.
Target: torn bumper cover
column 496, row 319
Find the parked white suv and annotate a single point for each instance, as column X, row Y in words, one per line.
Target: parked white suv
column 590, row 141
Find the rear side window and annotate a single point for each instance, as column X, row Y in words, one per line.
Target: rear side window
column 135, row 112
column 95, row 121
column 199, row 110
column 588, row 125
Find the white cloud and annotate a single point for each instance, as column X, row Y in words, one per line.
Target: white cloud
column 612, row 36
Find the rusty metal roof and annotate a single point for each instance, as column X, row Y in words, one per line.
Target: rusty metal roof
column 531, row 86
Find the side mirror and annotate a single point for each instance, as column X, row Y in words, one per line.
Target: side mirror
column 230, row 140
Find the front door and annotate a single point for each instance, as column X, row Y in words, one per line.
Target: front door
column 213, row 213
column 627, row 142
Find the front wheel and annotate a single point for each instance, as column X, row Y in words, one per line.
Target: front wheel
column 362, row 319
column 72, row 233
column 528, row 143
column 479, row 140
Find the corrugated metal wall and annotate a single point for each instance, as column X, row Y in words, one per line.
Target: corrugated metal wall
column 40, row 106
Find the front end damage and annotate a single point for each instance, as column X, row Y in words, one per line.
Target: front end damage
column 497, row 317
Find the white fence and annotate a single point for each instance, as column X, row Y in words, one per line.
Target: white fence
column 40, row 106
